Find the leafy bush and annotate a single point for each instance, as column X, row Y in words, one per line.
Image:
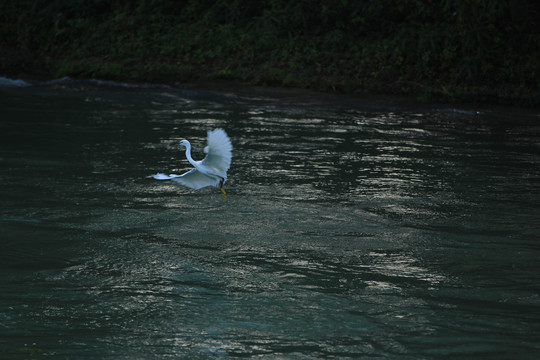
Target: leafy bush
column 488, row 49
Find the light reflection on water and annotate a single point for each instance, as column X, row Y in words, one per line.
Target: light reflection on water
column 350, row 230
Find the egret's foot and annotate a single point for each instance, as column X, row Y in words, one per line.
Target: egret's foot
column 223, row 194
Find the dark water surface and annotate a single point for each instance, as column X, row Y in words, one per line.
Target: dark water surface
column 353, row 228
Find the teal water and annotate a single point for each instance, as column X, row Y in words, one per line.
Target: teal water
column 354, row 228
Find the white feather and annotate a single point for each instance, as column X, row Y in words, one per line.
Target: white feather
column 210, row 171
column 196, row 180
column 219, row 154
column 165, row 177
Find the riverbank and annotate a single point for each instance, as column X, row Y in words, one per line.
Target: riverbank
column 452, row 53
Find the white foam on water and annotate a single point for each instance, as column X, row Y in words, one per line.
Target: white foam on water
column 4, row 81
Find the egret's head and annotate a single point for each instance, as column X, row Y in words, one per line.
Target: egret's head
column 184, row 143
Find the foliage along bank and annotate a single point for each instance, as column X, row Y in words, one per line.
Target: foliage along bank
column 450, row 50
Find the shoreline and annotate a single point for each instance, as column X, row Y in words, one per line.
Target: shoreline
column 483, row 53
column 234, row 91
column 513, row 96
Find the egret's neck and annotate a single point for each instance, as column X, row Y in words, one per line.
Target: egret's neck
column 188, row 153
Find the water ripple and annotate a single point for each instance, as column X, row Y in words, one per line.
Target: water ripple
column 351, row 229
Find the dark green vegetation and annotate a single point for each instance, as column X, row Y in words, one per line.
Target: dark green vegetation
column 453, row 50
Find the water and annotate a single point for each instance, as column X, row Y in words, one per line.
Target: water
column 354, row 228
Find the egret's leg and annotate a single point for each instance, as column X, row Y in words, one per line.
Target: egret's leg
column 223, row 193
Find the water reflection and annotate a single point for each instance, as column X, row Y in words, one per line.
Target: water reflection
column 349, row 231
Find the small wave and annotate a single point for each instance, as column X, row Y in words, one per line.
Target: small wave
column 13, row 82
column 461, row 111
column 68, row 81
column 60, row 81
column 127, row 85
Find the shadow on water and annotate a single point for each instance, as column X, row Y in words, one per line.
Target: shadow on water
column 353, row 227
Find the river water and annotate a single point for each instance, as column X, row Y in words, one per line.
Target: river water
column 354, row 228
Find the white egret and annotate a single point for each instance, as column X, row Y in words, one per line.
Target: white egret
column 210, row 171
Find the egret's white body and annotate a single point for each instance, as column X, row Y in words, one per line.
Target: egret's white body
column 210, row 171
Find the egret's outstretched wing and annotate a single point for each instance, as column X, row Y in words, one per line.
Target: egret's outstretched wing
column 218, row 152
column 195, row 179
column 212, row 170
column 165, row 177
